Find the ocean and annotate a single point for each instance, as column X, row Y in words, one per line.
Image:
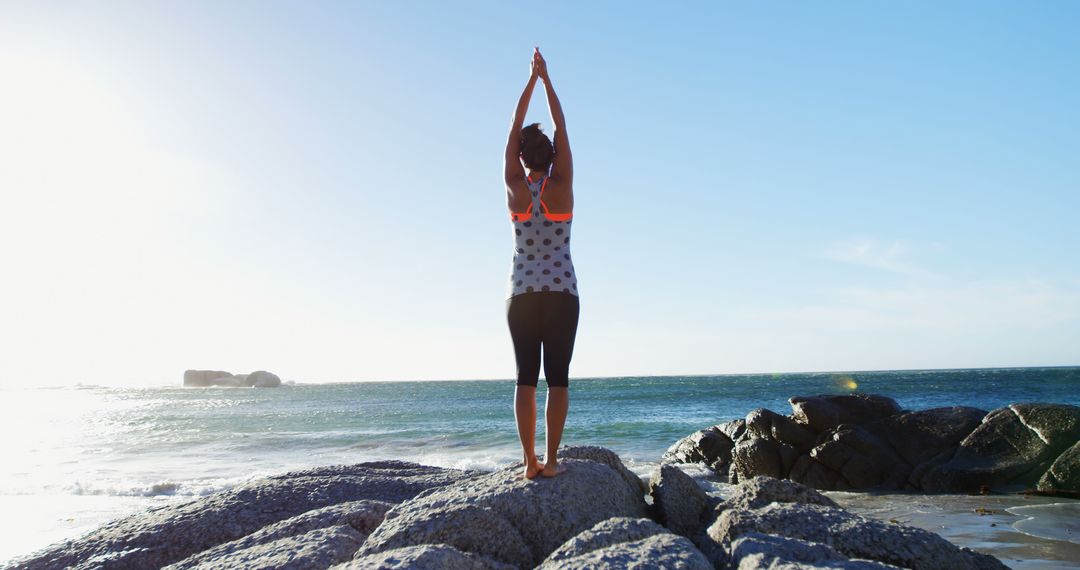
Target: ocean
column 75, row 457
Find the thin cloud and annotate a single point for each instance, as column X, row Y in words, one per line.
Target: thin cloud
column 893, row 257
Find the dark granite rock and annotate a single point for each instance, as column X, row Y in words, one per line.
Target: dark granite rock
column 1063, row 476
column 710, row 446
column 678, row 501
column 1012, row 447
column 919, row 436
column 171, row 533
column 513, row 520
column 766, row 424
column 756, row 456
column 824, row 412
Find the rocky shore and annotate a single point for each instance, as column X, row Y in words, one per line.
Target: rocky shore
column 866, row 442
column 595, row 515
column 598, row 514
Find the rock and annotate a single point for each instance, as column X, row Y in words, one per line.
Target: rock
column 766, row 424
column 850, row 534
column 514, row 520
column 860, row 459
column 263, row 379
column 626, row 543
column 313, row 550
column 423, row 557
column 919, row 436
column 710, row 446
column 607, row 457
column 204, row 378
column 1013, row 446
column 756, row 456
column 678, row 501
column 168, row 534
column 761, row 491
column 755, row 550
column 361, row 516
column 1063, row 476
column 820, row 413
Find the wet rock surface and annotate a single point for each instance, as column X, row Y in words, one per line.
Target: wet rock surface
column 866, row 442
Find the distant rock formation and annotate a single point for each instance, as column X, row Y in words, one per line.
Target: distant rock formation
column 863, row 442
column 205, row 378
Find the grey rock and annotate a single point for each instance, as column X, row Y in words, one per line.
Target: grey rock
column 627, row 543
column 513, row 520
column 605, row 533
column 851, row 535
column 755, row 550
column 607, row 457
column 678, row 501
column 423, row 557
column 1063, row 476
column 820, row 413
column 362, row 516
column 761, row 491
column 657, row 552
column 1013, row 446
column 314, row 550
column 168, row 534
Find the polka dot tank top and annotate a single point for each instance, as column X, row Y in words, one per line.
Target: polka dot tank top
column 541, row 248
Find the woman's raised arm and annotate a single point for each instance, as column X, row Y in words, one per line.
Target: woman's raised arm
column 513, row 172
column 562, row 164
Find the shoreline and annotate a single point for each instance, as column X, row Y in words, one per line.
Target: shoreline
column 955, row 517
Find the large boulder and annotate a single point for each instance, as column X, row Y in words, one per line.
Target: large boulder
column 711, row 446
column 512, row 520
column 423, row 557
column 314, row 550
column 919, row 436
column 678, row 501
column 820, row 413
column 849, row 534
column 1063, row 476
column 626, row 543
column 361, row 516
column 171, row 533
column 761, row 491
column 755, row 550
column 1013, row 446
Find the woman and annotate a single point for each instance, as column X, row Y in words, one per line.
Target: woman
column 542, row 309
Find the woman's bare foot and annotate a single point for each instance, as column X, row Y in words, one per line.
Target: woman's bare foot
column 553, row 470
column 532, row 468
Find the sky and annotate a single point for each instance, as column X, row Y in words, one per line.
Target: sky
column 316, row 189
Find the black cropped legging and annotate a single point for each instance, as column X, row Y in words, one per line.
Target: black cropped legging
column 544, row 318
